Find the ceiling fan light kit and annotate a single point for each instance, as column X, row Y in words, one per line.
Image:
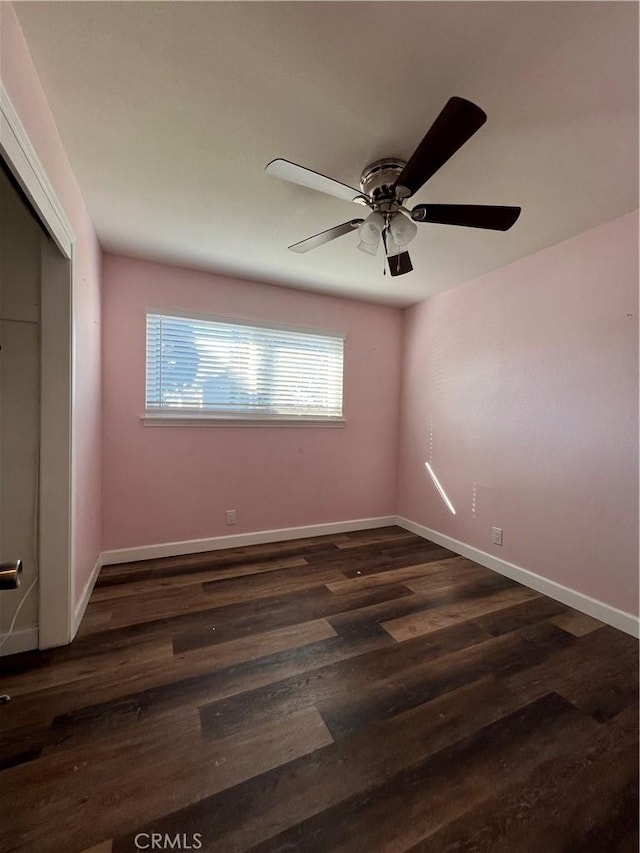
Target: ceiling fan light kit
column 369, row 248
column 403, row 229
column 370, row 232
column 391, row 245
column 386, row 184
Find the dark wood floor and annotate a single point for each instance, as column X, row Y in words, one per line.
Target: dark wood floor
column 362, row 692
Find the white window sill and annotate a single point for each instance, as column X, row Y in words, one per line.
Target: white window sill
column 163, row 419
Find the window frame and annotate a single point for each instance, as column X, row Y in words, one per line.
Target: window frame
column 209, row 418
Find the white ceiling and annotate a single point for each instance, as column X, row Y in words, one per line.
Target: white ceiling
column 170, row 111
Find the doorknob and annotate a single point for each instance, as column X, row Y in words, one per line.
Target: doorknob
column 10, row 579
column 10, row 574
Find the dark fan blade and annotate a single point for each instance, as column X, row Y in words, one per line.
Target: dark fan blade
column 326, row 236
column 471, row 215
column 308, row 178
column 457, row 123
column 398, row 264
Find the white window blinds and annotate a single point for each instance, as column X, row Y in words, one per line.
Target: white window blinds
column 241, row 371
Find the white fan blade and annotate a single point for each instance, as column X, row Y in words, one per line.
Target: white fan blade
column 288, row 171
column 325, row 236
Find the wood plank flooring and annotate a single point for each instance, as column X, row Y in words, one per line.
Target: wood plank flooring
column 367, row 693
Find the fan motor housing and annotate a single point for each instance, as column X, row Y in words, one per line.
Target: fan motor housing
column 377, row 182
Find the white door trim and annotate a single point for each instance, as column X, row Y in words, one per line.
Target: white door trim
column 56, row 592
column 20, row 155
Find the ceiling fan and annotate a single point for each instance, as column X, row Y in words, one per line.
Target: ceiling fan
column 386, row 184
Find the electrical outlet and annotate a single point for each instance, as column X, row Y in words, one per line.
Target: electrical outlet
column 231, row 516
column 496, row 535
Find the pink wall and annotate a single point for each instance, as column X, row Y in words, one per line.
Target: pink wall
column 164, row 484
column 21, row 81
column 522, row 387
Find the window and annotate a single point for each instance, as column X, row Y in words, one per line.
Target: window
column 200, row 369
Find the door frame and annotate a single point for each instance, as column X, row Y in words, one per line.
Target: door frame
column 56, row 593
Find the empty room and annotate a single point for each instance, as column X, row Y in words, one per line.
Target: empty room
column 319, row 426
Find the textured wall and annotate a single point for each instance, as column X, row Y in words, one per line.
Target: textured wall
column 521, row 388
column 165, row 484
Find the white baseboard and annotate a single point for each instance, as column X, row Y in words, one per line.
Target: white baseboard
column 81, row 606
column 19, row 641
column 258, row 537
column 572, row 598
